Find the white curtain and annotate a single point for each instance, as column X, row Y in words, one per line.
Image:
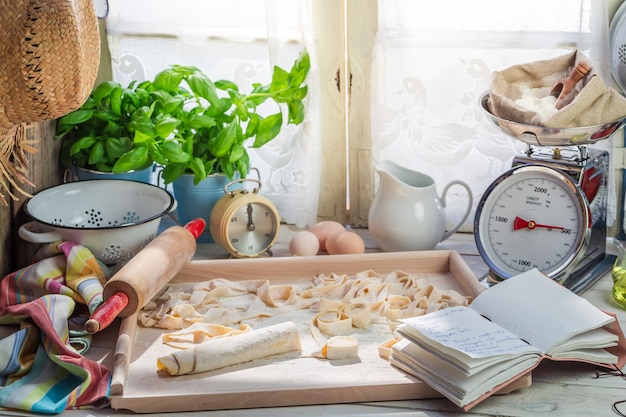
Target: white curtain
column 238, row 40
column 433, row 60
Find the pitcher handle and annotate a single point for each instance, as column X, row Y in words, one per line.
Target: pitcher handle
column 456, row 227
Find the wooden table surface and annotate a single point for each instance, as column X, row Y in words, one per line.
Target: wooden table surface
column 565, row 389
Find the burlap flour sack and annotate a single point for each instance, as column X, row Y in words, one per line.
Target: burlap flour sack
column 593, row 103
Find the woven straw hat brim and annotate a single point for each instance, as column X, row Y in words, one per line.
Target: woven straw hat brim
column 49, row 58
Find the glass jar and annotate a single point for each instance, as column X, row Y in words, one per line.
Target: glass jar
column 619, row 275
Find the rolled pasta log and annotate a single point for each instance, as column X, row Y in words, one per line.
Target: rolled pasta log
column 245, row 347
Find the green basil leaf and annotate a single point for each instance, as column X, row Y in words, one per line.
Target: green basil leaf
column 226, row 167
column 236, row 152
column 76, row 117
column 243, row 163
column 269, row 128
column 166, row 126
column 141, row 137
column 117, row 146
column 83, row 143
column 173, row 104
column 137, row 158
column 105, row 116
column 225, row 140
column 200, row 121
column 202, row 86
column 280, row 80
column 144, row 131
column 102, row 167
column 219, row 108
column 226, row 85
column 300, row 69
column 172, row 171
column 97, row 153
column 253, row 125
column 300, row 93
column 173, row 152
column 168, row 80
column 197, row 167
column 116, row 101
column 296, row 112
column 104, row 90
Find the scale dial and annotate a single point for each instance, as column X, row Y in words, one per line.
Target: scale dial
column 244, row 223
column 532, row 217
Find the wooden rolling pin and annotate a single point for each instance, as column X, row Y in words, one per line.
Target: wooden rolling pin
column 146, row 274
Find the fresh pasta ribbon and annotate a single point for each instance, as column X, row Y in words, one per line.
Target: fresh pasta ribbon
column 331, row 323
column 329, row 286
column 396, row 307
column 341, row 347
column 199, row 333
column 275, row 295
column 384, row 349
column 327, row 304
column 342, row 302
column 359, row 313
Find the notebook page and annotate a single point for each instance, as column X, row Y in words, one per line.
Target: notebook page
column 464, row 330
column 539, row 310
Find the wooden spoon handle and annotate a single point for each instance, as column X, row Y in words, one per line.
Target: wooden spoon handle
column 563, row 88
column 578, row 73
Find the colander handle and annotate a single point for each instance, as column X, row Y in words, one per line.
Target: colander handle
column 36, row 232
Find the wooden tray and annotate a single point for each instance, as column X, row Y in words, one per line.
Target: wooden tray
column 270, row 382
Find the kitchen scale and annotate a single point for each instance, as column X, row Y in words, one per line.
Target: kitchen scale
column 549, row 210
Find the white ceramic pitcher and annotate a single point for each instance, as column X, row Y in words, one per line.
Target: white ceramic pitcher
column 406, row 213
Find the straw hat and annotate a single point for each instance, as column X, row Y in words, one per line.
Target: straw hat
column 49, row 58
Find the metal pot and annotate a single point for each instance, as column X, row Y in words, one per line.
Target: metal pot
column 114, row 219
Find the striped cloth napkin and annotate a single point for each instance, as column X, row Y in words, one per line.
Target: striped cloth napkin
column 42, row 367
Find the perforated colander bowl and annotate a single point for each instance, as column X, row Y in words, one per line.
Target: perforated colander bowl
column 112, row 218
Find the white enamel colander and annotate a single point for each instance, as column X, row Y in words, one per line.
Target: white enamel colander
column 112, row 218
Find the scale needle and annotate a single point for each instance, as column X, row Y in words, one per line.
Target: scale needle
column 520, row 223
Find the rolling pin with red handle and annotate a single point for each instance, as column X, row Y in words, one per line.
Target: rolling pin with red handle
column 146, row 274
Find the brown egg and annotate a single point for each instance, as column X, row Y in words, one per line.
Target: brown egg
column 344, row 242
column 304, row 243
column 324, row 229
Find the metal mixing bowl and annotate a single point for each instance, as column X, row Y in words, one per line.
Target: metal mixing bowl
column 546, row 136
column 112, row 218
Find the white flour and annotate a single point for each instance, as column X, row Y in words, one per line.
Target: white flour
column 538, row 100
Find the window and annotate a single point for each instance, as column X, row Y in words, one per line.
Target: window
column 391, row 79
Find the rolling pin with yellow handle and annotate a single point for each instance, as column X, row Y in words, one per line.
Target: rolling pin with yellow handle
column 146, row 274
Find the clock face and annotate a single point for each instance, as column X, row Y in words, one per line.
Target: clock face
column 252, row 228
column 532, row 217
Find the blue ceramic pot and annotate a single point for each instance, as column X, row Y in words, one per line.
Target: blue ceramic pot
column 142, row 175
column 198, row 200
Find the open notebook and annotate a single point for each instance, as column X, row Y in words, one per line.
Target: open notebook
column 469, row 353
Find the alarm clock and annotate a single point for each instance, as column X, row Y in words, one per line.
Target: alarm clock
column 243, row 222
